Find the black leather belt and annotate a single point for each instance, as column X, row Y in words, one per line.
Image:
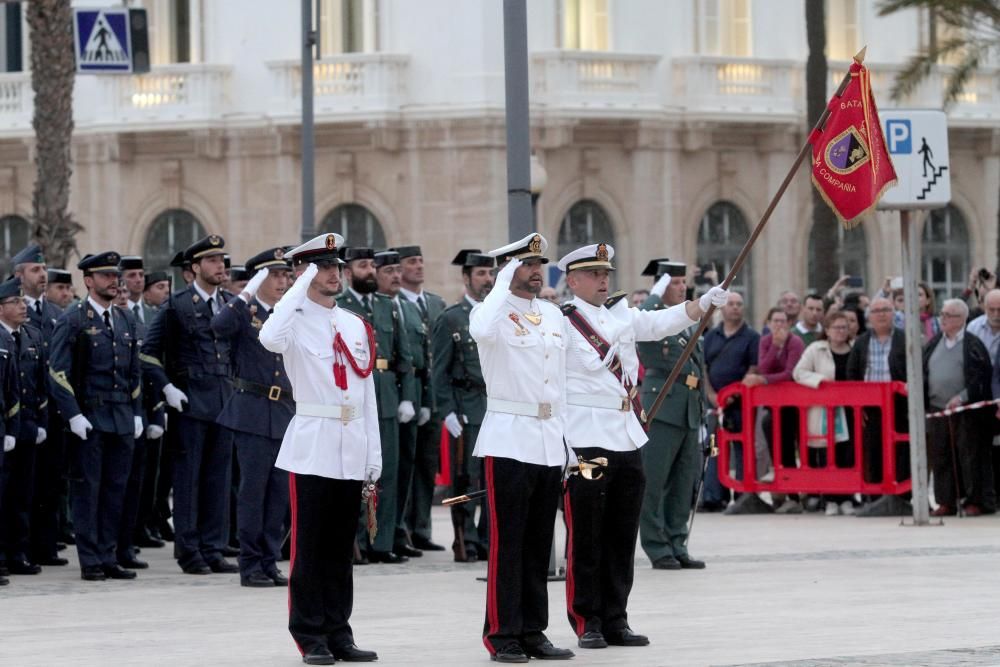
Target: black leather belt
column 95, row 398
column 271, row 392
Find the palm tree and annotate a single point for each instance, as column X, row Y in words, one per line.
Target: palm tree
column 53, row 70
column 973, row 31
column 824, row 230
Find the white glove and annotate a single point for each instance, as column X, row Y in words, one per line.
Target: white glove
column 175, row 397
column 610, row 356
column 307, row 276
column 423, row 416
column 506, row 274
column 453, row 425
column 8, row 443
column 716, row 296
column 372, row 473
column 254, row 283
column 137, row 431
column 79, row 425
column 660, row 286
column 154, row 432
column 41, row 436
column 405, row 412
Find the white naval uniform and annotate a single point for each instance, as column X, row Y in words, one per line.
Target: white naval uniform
column 528, row 368
column 302, row 331
column 587, row 376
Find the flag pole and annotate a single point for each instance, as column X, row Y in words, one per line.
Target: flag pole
column 745, row 252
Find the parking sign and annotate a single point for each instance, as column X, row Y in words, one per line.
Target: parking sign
column 917, row 140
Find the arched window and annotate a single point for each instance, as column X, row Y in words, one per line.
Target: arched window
column 14, row 235
column 172, row 231
column 358, row 226
column 946, row 252
column 721, row 236
column 585, row 223
column 852, row 256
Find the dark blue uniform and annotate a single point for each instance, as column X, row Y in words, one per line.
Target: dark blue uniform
column 48, row 507
column 258, row 411
column 95, row 372
column 180, row 348
column 10, row 408
column 32, row 371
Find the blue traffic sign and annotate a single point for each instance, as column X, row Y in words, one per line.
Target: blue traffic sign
column 102, row 39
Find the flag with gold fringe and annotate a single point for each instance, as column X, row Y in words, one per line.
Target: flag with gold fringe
column 851, row 167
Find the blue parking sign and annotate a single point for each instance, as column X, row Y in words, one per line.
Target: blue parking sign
column 102, row 40
column 898, row 135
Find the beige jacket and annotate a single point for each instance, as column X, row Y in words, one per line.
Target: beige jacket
column 815, row 366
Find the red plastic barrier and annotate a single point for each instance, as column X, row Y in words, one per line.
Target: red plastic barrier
column 805, row 479
column 443, row 477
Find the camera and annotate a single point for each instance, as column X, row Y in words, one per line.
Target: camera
column 854, row 281
column 984, row 275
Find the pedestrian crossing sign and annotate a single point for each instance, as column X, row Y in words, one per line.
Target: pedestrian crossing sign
column 102, row 40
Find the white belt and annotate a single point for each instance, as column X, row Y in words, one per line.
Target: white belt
column 344, row 413
column 605, row 401
column 539, row 410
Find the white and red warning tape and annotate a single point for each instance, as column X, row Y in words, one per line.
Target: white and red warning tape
column 962, row 408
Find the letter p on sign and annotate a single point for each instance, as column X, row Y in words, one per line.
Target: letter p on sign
column 898, row 135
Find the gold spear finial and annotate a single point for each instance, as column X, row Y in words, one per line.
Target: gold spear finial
column 859, row 57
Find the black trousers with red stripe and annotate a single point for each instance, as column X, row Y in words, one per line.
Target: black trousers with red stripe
column 522, row 499
column 602, row 522
column 321, row 578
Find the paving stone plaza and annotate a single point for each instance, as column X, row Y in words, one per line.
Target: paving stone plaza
column 804, row 590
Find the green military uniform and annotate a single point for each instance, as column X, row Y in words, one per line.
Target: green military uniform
column 427, row 455
column 394, row 382
column 418, row 340
column 459, row 387
column 672, row 456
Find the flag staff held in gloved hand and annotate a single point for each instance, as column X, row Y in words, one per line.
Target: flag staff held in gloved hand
column 850, row 167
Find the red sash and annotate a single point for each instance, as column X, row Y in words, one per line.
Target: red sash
column 602, row 347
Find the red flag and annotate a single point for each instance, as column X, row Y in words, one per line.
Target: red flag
column 851, row 166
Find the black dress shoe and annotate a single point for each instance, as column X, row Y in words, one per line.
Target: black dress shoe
column 482, row 552
column 319, row 656
column 60, row 546
column 386, row 557
column 133, row 563
column 469, row 557
column 666, row 563
column 257, row 580
column 592, row 639
column 627, row 638
column 424, row 544
column 23, row 567
column 199, row 568
column 166, row 532
column 4, row 581
column 407, row 550
column 512, row 652
column 4, row 572
column 689, row 563
column 143, row 538
column 229, row 551
column 53, row 560
column 116, row 571
column 352, row 653
column 223, row 566
column 278, row 578
column 546, row 651
column 67, row 538
column 359, row 559
column 92, row 574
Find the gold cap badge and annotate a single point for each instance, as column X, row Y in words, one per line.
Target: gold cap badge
column 602, row 252
column 331, row 242
column 279, row 253
column 214, row 240
column 535, row 245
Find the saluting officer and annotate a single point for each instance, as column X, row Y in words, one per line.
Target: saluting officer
column 460, row 395
column 95, row 381
column 605, row 419
column 258, row 412
column 522, row 347
column 331, row 447
column 672, row 457
column 191, row 366
column 411, row 327
column 28, row 347
column 394, row 387
column 427, row 453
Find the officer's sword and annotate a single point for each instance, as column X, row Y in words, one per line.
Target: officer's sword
column 588, row 469
column 712, row 452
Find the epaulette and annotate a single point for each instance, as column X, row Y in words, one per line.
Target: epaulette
column 615, row 298
column 567, row 309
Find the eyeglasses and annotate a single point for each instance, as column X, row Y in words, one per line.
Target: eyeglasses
column 950, row 315
column 881, row 310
